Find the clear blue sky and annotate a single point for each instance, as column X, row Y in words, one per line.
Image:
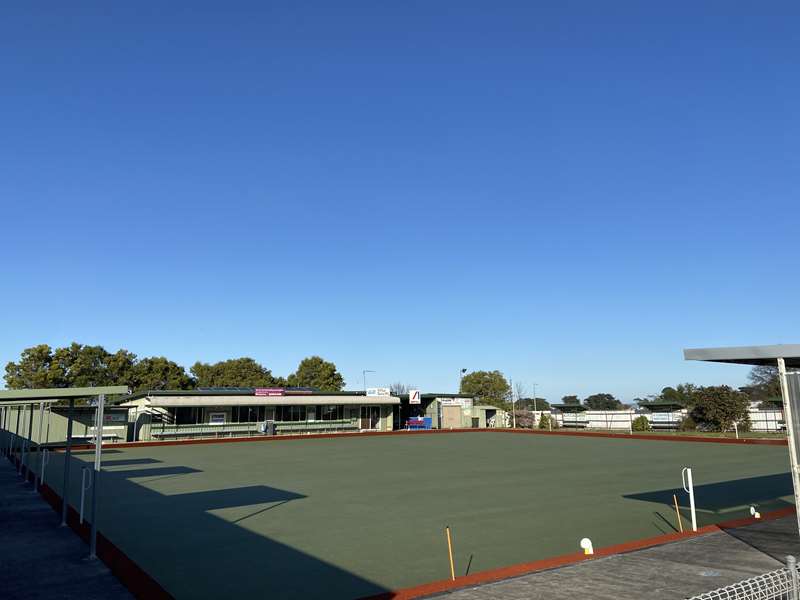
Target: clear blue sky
column 570, row 192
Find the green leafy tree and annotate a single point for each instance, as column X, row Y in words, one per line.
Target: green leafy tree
column 547, row 422
column 83, row 366
column 603, row 402
column 159, row 373
column 717, row 407
column 528, row 404
column 236, row 372
column 488, row 387
column 683, row 394
column 79, row 365
column 317, row 373
column 570, row 400
column 121, row 368
column 764, row 385
column 640, row 424
column 34, row 370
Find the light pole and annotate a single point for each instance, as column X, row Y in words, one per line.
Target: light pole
column 460, row 377
column 534, row 397
column 513, row 406
column 364, row 375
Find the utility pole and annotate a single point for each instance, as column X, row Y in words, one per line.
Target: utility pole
column 513, row 406
column 534, row 396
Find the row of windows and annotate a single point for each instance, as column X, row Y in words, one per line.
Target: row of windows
column 252, row 414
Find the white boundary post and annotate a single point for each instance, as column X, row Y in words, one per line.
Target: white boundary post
column 788, row 417
column 688, row 486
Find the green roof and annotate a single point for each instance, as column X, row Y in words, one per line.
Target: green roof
column 661, row 406
column 569, row 407
column 60, row 393
column 233, row 392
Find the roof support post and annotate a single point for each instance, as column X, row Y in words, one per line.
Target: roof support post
column 98, row 458
column 16, row 435
column 37, row 476
column 790, row 418
column 3, row 428
column 67, row 459
column 28, row 445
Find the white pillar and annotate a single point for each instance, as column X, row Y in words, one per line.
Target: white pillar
column 788, row 417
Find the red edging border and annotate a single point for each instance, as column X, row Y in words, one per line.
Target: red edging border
column 599, row 434
column 492, row 575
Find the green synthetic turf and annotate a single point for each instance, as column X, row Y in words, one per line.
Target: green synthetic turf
column 354, row 516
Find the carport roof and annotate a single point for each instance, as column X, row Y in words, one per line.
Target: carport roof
column 748, row 355
column 35, row 395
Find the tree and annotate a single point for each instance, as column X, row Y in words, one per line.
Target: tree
column 121, row 368
column 488, row 387
column 159, row 373
column 716, row 408
column 683, row 394
column 570, row 400
column 317, row 373
column 547, row 422
column 603, row 402
column 529, row 404
column 34, row 370
column 236, row 372
column 400, row 389
column 83, row 366
column 764, row 384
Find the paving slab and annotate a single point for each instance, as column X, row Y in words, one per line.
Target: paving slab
column 669, row 572
column 39, row 559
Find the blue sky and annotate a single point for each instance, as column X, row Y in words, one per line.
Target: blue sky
column 570, row 192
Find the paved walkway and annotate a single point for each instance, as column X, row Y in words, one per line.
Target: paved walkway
column 669, row 572
column 39, row 559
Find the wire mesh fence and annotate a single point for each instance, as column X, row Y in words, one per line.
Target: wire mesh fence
column 781, row 584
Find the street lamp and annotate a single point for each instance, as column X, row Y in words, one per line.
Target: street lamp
column 460, row 377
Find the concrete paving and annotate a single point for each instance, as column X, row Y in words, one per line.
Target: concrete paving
column 669, row 572
column 39, row 559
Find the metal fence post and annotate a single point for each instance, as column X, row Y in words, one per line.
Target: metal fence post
column 28, row 446
column 98, row 457
column 39, row 448
column 791, row 564
column 67, row 458
column 15, row 438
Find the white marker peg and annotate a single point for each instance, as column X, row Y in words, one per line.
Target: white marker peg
column 586, row 544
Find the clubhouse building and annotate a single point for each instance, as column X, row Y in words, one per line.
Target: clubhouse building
column 234, row 412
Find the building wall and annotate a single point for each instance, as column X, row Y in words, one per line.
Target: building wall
column 54, row 424
column 386, row 418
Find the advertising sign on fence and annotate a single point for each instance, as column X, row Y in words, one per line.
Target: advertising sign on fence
column 414, row 397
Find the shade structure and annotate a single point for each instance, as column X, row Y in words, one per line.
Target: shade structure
column 60, row 393
column 748, row 355
column 786, row 359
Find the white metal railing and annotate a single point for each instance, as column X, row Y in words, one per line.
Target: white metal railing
column 160, row 430
column 781, row 584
